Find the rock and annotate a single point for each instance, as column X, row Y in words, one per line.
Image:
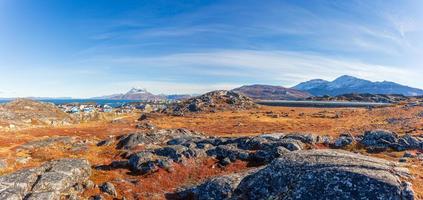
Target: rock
column 88, row 184
column 344, row 140
column 73, row 197
column 108, row 188
column 407, row 192
column 106, row 142
column 142, row 162
column 212, row 102
column 46, row 142
column 230, row 151
column 215, row 188
column 379, row 139
column 153, row 137
column 273, row 136
column 18, row 184
column 324, row 139
column 262, row 157
column 303, row 137
column 174, row 152
column 145, row 125
column 165, row 164
column 408, row 155
column 44, row 196
column 325, row 174
column 97, row 197
column 403, row 160
column 23, row 160
column 48, row 181
column 225, row 161
column 143, row 117
column 3, row 164
column 409, row 142
column 290, row 144
column 254, row 143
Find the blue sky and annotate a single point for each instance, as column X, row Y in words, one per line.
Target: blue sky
column 84, row 48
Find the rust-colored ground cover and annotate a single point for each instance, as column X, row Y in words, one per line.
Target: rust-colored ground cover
column 250, row 122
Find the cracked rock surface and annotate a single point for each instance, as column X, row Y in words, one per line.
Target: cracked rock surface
column 49, row 181
column 312, row 174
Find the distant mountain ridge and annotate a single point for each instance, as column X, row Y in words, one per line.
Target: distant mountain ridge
column 143, row 95
column 270, row 92
column 349, row 84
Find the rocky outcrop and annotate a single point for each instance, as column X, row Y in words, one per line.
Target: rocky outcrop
column 25, row 113
column 270, row 92
column 326, row 174
column 50, row 181
column 216, row 188
column 46, row 142
column 219, row 100
column 381, row 140
column 258, row 150
column 153, row 137
column 344, row 140
column 312, row 174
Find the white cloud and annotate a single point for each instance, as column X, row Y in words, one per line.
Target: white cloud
column 273, row 66
column 164, row 87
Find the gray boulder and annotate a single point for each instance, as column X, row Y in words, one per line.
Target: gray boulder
column 48, row 181
column 409, row 142
column 108, row 188
column 306, row 138
column 326, row 174
column 3, row 164
column 291, row 144
column 174, row 152
column 153, row 137
column 379, row 139
column 344, row 140
column 230, row 151
column 215, row 188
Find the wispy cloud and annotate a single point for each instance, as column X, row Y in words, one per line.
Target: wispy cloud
column 286, row 68
column 165, row 87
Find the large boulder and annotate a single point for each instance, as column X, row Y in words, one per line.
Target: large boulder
column 48, row 181
column 379, row 139
column 219, row 100
column 344, row 140
column 221, row 187
column 153, row 137
column 326, row 174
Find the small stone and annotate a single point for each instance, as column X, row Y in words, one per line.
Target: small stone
column 97, row 197
column 408, row 155
column 3, row 164
column 88, row 184
column 225, row 162
column 23, row 160
column 108, row 188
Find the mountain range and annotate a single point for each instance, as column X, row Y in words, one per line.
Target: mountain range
column 270, row 92
column 317, row 87
column 144, row 95
column 348, row 84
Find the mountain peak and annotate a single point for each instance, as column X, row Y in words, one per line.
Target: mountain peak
column 346, row 77
column 349, row 84
column 270, row 92
column 137, row 91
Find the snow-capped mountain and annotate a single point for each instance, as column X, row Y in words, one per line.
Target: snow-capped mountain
column 133, row 94
column 270, row 92
column 144, row 95
column 349, row 84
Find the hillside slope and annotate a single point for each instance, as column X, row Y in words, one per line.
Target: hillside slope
column 269, row 92
column 349, row 84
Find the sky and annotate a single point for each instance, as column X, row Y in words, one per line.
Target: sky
column 86, row 48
